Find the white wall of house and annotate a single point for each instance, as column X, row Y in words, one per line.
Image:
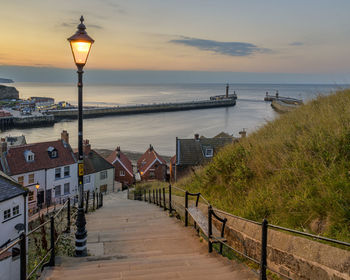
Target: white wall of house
column 101, row 180
column 10, row 267
column 39, row 177
column 89, row 182
column 54, row 182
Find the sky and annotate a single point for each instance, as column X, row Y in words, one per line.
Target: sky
column 307, row 40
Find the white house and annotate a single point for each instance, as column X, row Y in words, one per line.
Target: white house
column 47, row 169
column 98, row 172
column 13, row 221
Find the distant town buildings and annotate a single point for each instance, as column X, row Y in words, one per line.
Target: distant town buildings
column 13, row 222
column 123, row 167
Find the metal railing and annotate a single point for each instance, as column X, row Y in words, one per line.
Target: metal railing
column 157, row 197
column 59, row 222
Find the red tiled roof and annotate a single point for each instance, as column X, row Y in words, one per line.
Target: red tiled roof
column 5, row 114
column 123, row 159
column 148, row 158
column 18, row 164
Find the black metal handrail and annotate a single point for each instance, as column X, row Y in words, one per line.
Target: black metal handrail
column 156, row 199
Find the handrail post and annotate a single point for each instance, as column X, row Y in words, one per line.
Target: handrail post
column 170, row 207
column 149, row 196
column 52, row 241
column 101, row 199
column 93, row 200
column 157, row 197
column 68, row 216
column 128, row 192
column 23, row 257
column 210, row 229
column 263, row 262
column 186, row 206
column 160, row 197
column 97, row 201
column 87, row 202
column 154, row 200
column 164, row 204
column 144, row 194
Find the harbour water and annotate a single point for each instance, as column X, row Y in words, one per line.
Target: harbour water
column 136, row 132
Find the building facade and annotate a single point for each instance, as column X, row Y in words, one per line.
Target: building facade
column 123, row 167
column 13, row 222
column 151, row 166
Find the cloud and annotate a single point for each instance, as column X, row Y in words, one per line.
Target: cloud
column 296, row 44
column 224, row 48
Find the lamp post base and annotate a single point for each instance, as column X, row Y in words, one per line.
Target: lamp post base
column 80, row 235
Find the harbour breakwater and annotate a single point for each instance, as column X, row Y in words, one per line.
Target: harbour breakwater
column 141, row 109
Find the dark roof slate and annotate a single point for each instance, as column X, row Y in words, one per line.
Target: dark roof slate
column 93, row 163
column 192, row 152
column 9, row 188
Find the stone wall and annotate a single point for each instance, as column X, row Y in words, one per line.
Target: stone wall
column 294, row 256
column 8, row 92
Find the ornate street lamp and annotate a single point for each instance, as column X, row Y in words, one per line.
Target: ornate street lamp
column 80, row 44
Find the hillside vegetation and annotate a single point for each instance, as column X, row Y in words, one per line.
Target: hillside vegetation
column 294, row 171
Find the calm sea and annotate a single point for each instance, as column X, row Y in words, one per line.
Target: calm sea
column 136, row 132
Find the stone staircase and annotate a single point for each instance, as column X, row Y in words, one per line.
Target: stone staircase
column 134, row 240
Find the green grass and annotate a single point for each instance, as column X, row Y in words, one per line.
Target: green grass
column 294, row 171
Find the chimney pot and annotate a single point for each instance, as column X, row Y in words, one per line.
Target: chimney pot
column 86, row 147
column 150, row 147
column 65, row 136
column 196, row 136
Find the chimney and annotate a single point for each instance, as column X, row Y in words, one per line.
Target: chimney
column 118, row 151
column 65, row 136
column 196, row 137
column 3, row 146
column 150, row 147
column 227, row 87
column 243, row 133
column 86, row 147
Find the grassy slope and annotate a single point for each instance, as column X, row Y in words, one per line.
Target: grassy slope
column 294, row 171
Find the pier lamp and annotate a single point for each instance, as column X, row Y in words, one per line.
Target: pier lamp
column 80, row 44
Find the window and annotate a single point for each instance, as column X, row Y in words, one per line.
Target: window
column 7, row 214
column 29, row 155
column 20, row 180
column 57, row 173
column 30, row 196
column 15, row 210
column 103, row 175
column 54, row 154
column 57, row 191
column 31, row 178
column 122, row 173
column 208, row 152
column 66, row 188
column 30, row 158
column 151, row 175
column 87, row 179
column 66, row 171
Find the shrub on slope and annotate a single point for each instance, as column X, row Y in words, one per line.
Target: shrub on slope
column 295, row 171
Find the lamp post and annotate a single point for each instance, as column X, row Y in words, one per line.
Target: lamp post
column 80, row 44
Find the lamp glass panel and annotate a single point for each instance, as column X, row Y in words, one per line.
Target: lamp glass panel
column 80, row 51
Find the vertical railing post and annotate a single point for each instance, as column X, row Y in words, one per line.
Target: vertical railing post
column 101, row 199
column 154, row 200
column 23, row 257
column 128, row 192
column 170, row 207
column 52, row 241
column 97, row 201
column 87, row 202
column 160, row 197
column 149, row 196
column 68, row 216
column 144, row 194
column 93, row 200
column 210, row 229
column 263, row 262
column 157, row 196
column 186, row 206
column 164, row 204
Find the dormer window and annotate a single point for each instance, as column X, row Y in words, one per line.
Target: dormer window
column 29, row 156
column 209, row 152
column 52, row 152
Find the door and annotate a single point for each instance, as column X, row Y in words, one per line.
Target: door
column 40, row 198
column 48, row 197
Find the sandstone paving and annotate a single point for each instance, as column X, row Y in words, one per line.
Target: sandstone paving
column 130, row 239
